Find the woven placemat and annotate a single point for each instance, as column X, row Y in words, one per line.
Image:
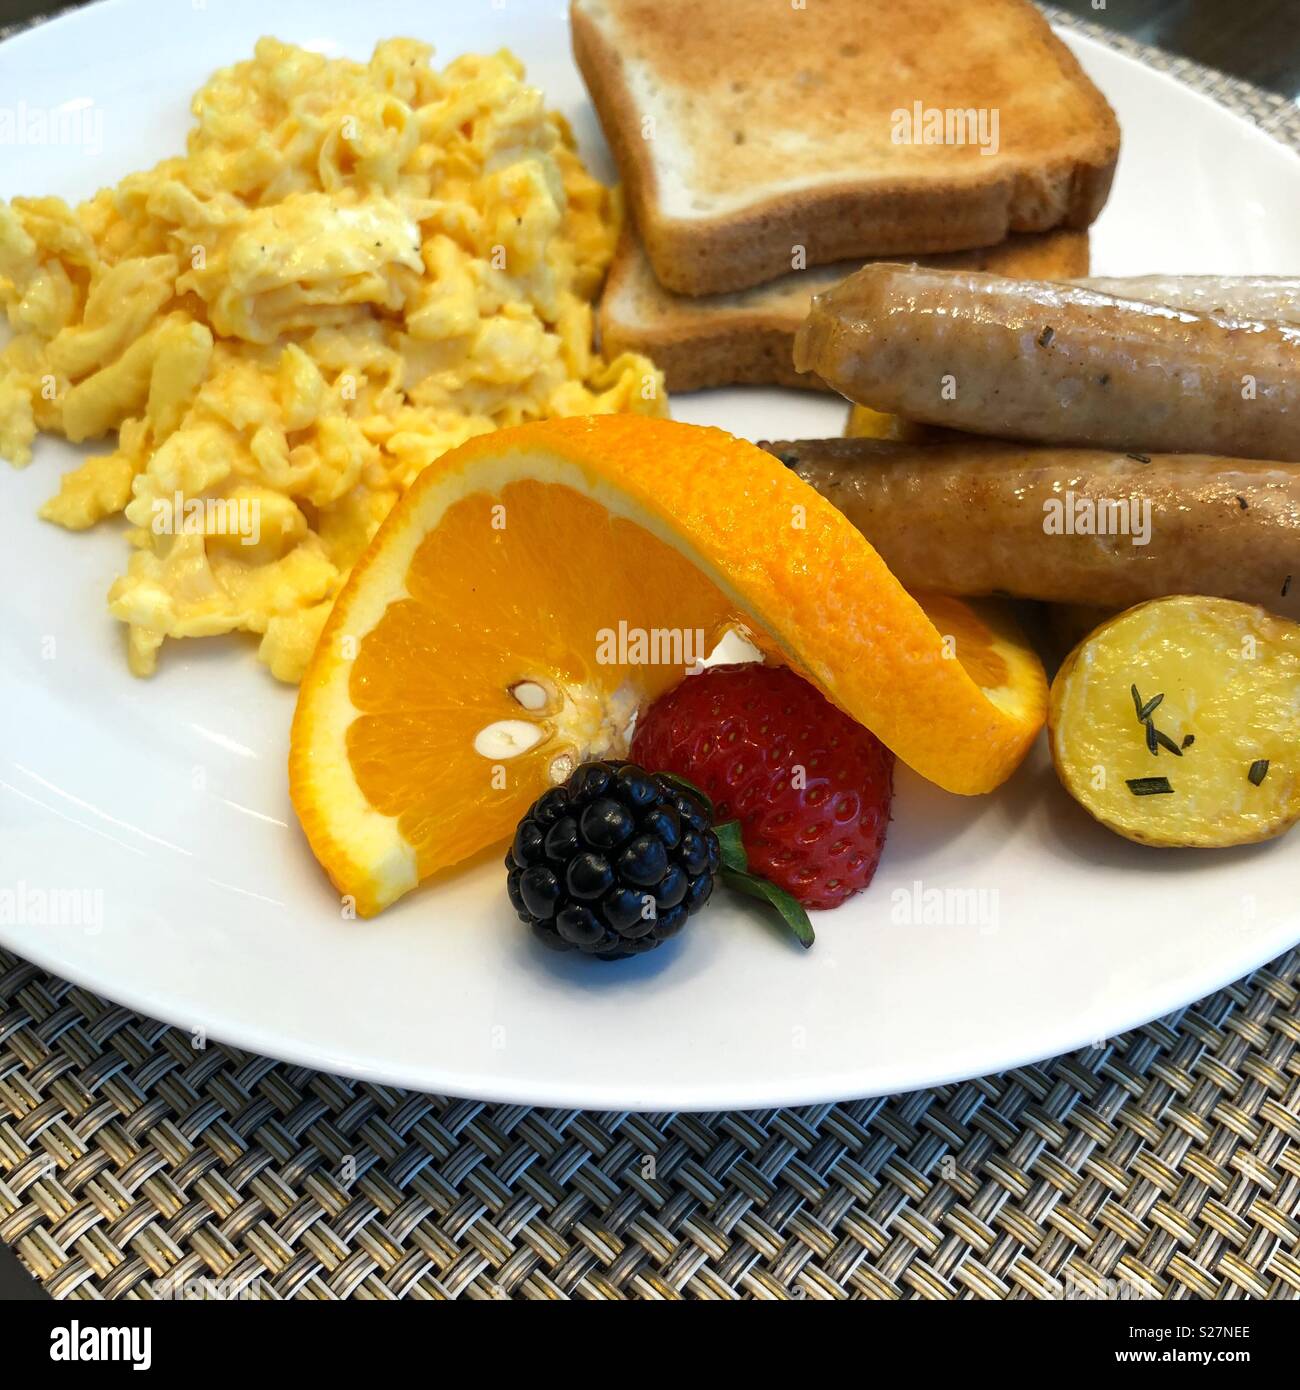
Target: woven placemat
column 1163, row 1164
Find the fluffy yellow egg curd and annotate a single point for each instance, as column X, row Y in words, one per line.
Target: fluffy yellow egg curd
column 353, row 268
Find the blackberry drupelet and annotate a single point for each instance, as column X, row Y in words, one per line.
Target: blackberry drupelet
column 611, row 863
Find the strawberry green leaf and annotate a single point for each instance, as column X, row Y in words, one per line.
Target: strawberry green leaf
column 732, row 847
column 690, row 789
column 791, row 911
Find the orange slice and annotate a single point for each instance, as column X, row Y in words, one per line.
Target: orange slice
column 985, row 638
column 538, row 585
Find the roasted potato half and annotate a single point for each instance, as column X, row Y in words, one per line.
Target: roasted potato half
column 1178, row 723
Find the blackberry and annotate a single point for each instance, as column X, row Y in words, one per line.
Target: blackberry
column 612, row 862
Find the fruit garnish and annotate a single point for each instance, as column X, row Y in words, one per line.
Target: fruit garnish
column 612, row 862
column 984, row 637
column 538, row 585
column 736, row 874
column 810, row 788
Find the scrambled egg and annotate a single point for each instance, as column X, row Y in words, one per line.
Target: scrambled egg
column 353, row 268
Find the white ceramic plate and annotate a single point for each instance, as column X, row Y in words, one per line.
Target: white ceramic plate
column 167, row 798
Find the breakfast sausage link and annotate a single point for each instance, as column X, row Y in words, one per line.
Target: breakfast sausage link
column 1027, row 359
column 1079, row 526
column 1265, row 298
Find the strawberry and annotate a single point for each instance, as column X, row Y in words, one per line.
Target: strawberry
column 810, row 788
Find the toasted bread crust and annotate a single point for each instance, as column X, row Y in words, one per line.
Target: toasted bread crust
column 908, row 213
column 748, row 339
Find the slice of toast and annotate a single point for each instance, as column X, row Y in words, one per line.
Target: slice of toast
column 747, row 337
column 745, row 129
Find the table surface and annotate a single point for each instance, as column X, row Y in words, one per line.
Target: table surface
column 1257, row 40
column 1161, row 1164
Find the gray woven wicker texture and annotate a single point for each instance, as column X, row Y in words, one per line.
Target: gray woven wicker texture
column 1165, row 1164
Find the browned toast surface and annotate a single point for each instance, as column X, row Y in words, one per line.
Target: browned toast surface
column 745, row 129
